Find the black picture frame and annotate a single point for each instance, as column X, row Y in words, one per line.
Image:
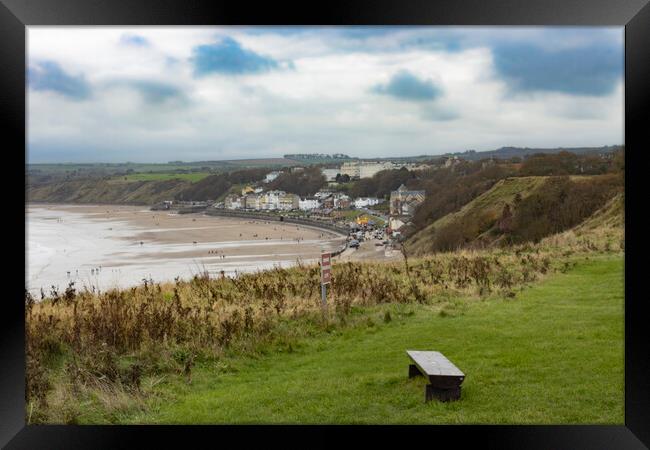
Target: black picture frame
column 634, row 15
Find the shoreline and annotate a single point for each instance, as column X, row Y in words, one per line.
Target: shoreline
column 102, row 245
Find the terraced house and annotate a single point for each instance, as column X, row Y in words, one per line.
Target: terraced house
column 279, row 200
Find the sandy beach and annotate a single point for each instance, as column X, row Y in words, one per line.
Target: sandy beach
column 117, row 246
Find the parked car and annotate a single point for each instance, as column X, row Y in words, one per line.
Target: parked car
column 353, row 244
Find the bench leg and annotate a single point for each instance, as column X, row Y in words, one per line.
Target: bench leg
column 444, row 395
column 414, row 371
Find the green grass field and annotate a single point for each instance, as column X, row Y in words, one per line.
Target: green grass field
column 552, row 355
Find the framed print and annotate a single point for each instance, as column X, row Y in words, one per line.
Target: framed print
column 290, row 221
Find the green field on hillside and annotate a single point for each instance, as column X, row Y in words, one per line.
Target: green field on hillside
column 553, row 354
column 193, row 177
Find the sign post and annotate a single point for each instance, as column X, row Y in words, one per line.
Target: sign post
column 325, row 274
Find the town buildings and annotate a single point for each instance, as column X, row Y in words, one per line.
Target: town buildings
column 364, row 202
column 309, row 204
column 288, row 202
column 280, row 200
column 452, row 161
column 404, row 202
column 369, row 169
column 233, row 202
column 395, row 223
column 341, row 201
column 358, row 169
column 253, row 201
column 321, row 195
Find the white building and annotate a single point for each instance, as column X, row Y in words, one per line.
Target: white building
column 271, row 176
column 233, row 202
column 368, row 170
column 308, row 204
column 330, row 174
column 271, row 199
column 358, row 169
column 364, row 202
column 320, row 195
column 395, row 223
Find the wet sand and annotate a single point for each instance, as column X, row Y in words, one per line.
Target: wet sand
column 71, row 242
column 170, row 228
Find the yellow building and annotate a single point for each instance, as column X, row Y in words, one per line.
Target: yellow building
column 362, row 219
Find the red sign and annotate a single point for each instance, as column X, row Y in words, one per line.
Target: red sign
column 325, row 268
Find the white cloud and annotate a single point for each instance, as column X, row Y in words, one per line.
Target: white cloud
column 324, row 103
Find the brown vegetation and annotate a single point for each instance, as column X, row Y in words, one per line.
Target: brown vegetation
column 303, row 183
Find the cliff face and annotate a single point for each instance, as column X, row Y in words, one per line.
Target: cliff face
column 524, row 209
column 105, row 191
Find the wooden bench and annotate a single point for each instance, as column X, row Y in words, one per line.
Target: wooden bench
column 444, row 377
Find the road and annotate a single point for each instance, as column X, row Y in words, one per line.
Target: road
column 368, row 251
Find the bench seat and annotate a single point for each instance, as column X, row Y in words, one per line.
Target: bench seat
column 444, row 377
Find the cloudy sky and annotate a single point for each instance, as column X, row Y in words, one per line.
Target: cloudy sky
column 156, row 94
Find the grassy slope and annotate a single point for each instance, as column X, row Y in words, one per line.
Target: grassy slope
column 552, row 355
column 608, row 217
column 488, row 203
column 106, row 191
column 192, row 177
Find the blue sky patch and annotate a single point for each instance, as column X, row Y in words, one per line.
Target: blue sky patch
column 134, row 40
column 406, row 86
column 48, row 76
column 594, row 70
column 230, row 58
